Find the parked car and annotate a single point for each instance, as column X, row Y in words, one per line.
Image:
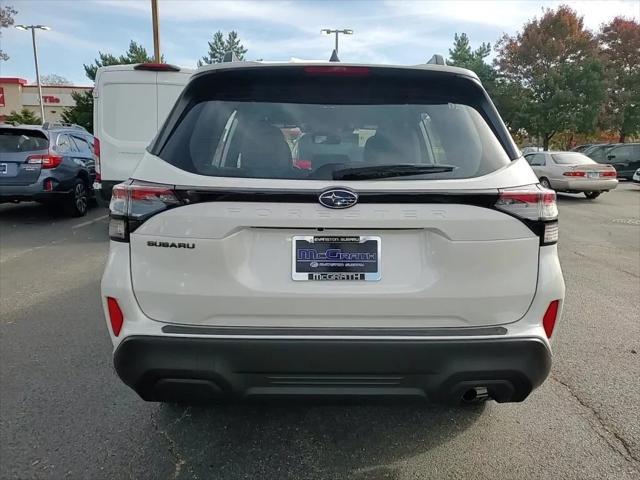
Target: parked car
column 636, row 176
column 581, row 148
column 421, row 263
column 52, row 164
column 625, row 157
column 573, row 172
column 124, row 98
column 527, row 150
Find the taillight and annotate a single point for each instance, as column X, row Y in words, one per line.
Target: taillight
column 550, row 317
column 116, row 318
column 48, row 160
column 535, row 206
column 132, row 203
column 96, row 154
column 574, row 173
column 609, row 173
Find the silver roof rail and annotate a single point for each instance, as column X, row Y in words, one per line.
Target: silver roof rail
column 52, row 125
column 436, row 60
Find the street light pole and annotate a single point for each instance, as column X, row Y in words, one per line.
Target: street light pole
column 35, row 58
column 328, row 31
column 156, row 31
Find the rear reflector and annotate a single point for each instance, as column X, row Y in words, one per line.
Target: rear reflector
column 550, row 317
column 115, row 315
column 157, row 67
column 337, row 71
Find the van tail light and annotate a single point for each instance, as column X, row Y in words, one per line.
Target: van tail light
column 550, row 317
column 96, row 154
column 116, row 318
column 45, row 161
column 535, row 206
column 132, row 203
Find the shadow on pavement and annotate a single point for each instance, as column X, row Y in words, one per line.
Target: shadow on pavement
column 34, row 213
column 307, row 441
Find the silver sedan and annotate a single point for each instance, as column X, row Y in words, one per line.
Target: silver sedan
column 573, row 172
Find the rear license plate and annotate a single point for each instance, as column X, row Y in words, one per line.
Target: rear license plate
column 3, row 168
column 336, row 258
column 593, row 175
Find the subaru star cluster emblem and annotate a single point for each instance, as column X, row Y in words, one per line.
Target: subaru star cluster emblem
column 338, row 198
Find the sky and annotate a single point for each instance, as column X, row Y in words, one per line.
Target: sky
column 396, row 31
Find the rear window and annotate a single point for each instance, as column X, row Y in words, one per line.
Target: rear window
column 310, row 135
column 571, row 159
column 15, row 140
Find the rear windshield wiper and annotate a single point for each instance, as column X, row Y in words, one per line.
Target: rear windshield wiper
column 388, row 171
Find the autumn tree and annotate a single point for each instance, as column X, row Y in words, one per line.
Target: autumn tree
column 219, row 46
column 82, row 112
column 553, row 67
column 620, row 55
column 23, row 117
column 6, row 20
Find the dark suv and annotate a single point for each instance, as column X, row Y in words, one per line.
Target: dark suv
column 52, row 164
column 625, row 157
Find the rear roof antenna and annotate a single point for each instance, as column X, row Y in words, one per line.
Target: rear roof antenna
column 436, row 60
column 334, row 56
column 230, row 57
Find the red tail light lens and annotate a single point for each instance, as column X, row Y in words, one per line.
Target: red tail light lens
column 48, row 160
column 609, row 173
column 133, row 203
column 534, row 205
column 115, row 315
column 303, row 164
column 96, row 154
column 550, row 317
column 337, row 71
column 575, row 174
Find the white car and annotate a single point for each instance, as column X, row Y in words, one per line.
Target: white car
column 636, row 176
column 573, row 172
column 421, row 264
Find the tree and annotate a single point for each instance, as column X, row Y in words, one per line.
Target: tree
column 553, row 68
column 620, row 55
column 53, row 79
column 6, row 20
column 461, row 55
column 82, row 112
column 219, row 46
column 23, row 117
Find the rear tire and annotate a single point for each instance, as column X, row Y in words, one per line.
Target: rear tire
column 78, row 202
column 545, row 183
column 592, row 195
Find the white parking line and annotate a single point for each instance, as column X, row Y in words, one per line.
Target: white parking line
column 89, row 222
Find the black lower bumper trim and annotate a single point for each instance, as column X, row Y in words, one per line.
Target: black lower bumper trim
column 212, row 369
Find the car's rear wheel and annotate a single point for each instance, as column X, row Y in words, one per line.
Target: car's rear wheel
column 592, row 195
column 78, row 202
column 545, row 183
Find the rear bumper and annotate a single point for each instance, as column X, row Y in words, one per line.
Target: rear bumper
column 209, row 369
column 61, row 186
column 585, row 185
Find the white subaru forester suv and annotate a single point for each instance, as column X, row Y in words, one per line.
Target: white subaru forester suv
column 332, row 230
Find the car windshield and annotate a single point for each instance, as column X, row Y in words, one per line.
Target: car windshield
column 14, row 140
column 311, row 141
column 571, row 158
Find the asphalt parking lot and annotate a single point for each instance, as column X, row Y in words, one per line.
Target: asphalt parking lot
column 64, row 414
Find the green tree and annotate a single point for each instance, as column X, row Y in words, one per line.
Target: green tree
column 82, row 112
column 219, row 46
column 461, row 55
column 620, row 55
column 552, row 66
column 23, row 117
column 6, row 20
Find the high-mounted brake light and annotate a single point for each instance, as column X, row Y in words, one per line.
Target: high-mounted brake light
column 535, row 206
column 116, row 318
column 337, row 71
column 48, row 160
column 133, row 203
column 157, row 67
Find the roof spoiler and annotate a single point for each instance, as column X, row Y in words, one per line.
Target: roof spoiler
column 436, row 60
column 334, row 56
column 230, row 57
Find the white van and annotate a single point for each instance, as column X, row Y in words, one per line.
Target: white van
column 124, row 97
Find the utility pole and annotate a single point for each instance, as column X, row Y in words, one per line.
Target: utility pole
column 35, row 58
column 156, row 31
column 328, row 31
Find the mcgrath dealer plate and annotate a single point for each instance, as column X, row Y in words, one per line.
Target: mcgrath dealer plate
column 335, row 258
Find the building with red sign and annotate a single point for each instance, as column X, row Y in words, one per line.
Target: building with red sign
column 15, row 94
